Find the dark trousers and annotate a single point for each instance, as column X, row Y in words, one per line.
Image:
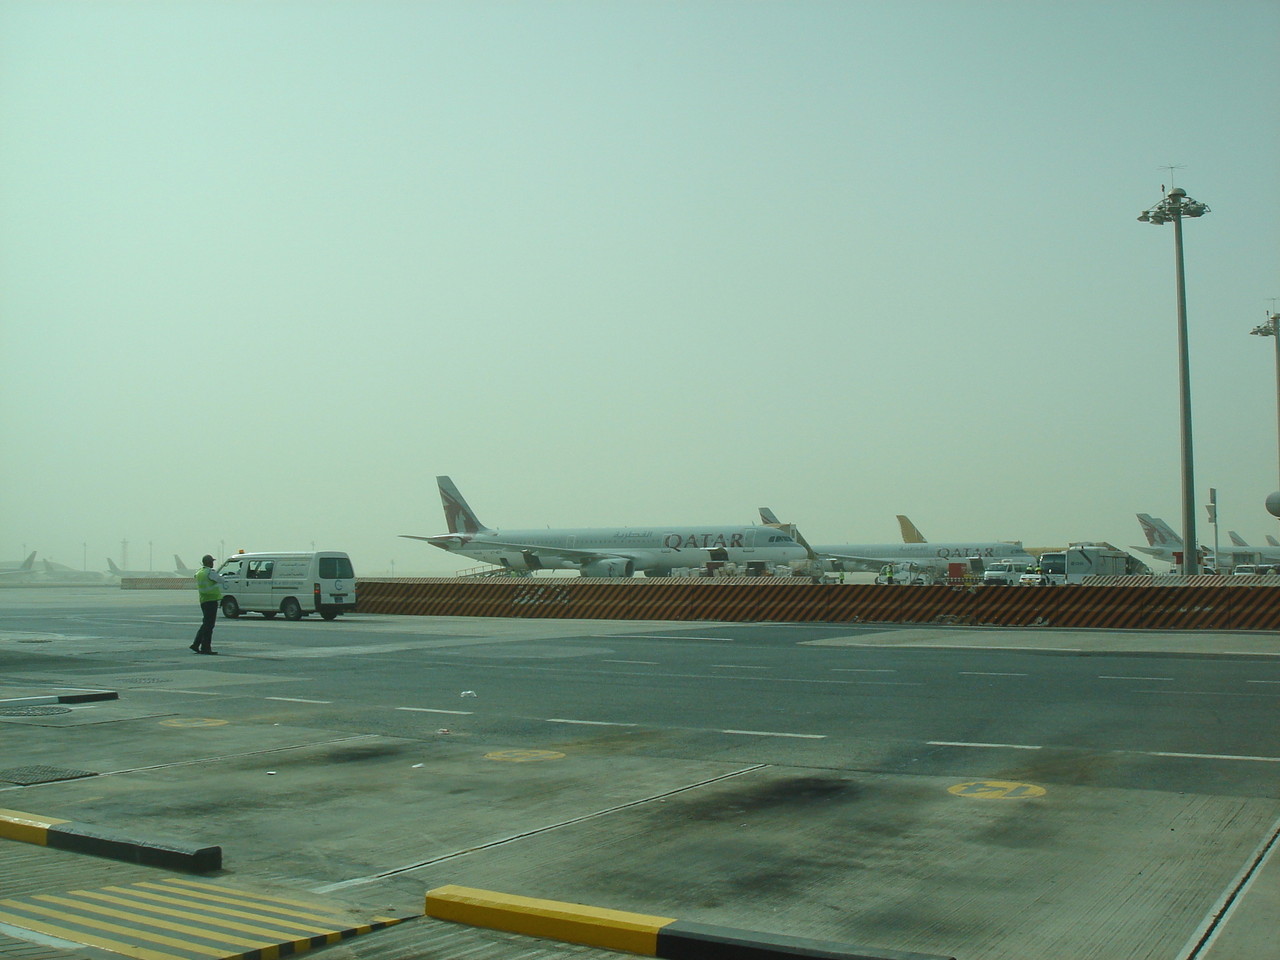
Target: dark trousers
column 204, row 636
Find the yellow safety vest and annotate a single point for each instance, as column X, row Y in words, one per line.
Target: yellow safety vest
column 208, row 589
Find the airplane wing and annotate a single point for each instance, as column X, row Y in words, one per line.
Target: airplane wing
column 1152, row 551
column 874, row 562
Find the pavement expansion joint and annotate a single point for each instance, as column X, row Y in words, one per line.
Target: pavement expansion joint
column 190, row 919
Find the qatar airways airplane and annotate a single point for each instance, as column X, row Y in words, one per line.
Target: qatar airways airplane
column 608, row 551
column 927, row 556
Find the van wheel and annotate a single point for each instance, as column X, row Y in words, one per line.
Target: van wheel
column 291, row 609
column 328, row 614
column 230, row 609
column 268, row 614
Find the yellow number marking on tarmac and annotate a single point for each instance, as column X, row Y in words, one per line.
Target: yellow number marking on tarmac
column 523, row 756
column 996, row 790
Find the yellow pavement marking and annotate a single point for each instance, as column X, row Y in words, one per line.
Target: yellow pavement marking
column 176, row 919
column 997, row 790
column 524, row 756
column 187, row 915
column 79, row 936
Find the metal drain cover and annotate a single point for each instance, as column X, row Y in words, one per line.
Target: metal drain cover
column 32, row 711
column 26, row 776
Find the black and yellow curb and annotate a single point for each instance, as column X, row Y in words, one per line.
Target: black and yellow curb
column 48, row 699
column 86, row 838
column 638, row 933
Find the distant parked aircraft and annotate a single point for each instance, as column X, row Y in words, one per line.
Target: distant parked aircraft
column 18, row 569
column 146, row 574
column 870, row 557
column 1163, row 543
column 61, row 573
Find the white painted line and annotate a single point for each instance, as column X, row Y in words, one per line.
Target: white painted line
column 980, row 673
column 100, row 690
column 768, row 733
column 461, row 713
column 1135, row 678
column 638, row 636
column 962, row 646
column 1262, row 681
column 1207, row 693
column 1003, row 746
column 1216, row 920
column 859, row 670
column 590, row 723
column 501, row 841
column 737, row 666
column 1212, row 756
column 296, row 700
column 647, row 663
column 198, row 693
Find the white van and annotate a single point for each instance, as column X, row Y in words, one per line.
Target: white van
column 1252, row 570
column 294, row 584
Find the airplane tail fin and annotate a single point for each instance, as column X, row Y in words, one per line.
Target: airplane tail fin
column 910, row 533
column 458, row 514
column 1236, row 539
column 1273, row 541
column 1159, row 533
column 114, row 569
column 28, row 563
column 769, row 518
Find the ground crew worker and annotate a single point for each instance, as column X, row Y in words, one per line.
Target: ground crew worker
column 207, row 580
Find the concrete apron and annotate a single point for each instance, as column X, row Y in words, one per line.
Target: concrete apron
column 920, row 863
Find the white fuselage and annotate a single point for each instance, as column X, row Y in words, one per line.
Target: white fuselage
column 655, row 550
column 867, row 556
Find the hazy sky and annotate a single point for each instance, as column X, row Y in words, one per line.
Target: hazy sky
column 267, row 268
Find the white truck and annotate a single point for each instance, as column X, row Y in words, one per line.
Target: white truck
column 1080, row 560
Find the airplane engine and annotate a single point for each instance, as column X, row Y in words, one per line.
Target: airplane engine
column 521, row 561
column 612, row 567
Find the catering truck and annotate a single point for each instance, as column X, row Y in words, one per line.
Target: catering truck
column 1080, row 560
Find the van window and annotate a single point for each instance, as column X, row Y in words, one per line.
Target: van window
column 336, row 568
column 259, row 569
column 230, row 569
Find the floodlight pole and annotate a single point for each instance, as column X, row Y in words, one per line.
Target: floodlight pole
column 1174, row 207
column 1191, row 547
column 1269, row 329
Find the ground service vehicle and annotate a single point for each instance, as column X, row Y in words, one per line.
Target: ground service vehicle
column 1003, row 573
column 294, row 584
column 1080, row 560
column 1252, row 570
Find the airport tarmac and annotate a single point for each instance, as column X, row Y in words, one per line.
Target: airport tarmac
column 976, row 793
